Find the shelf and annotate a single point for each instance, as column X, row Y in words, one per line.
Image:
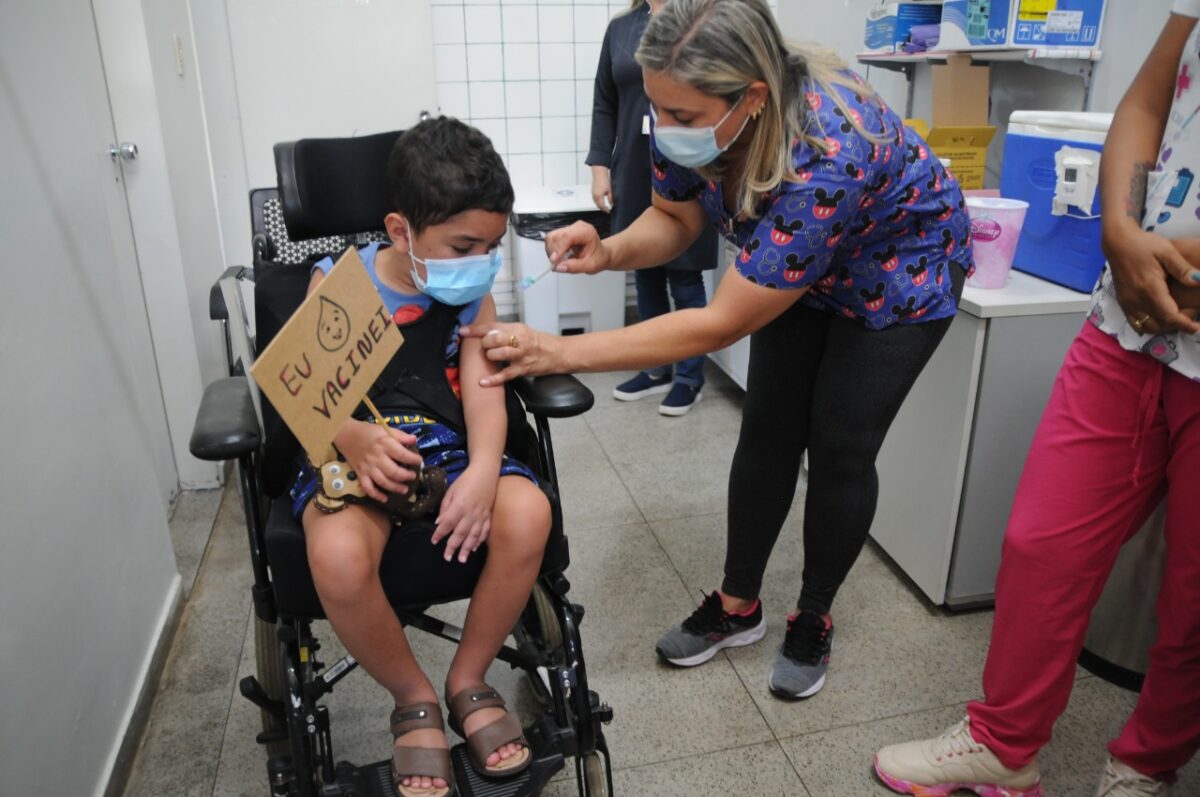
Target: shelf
column 1075, row 61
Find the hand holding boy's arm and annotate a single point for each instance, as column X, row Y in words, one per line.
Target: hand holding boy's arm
column 378, row 454
column 467, row 508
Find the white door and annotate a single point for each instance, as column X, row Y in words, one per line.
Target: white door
column 154, row 207
column 87, row 573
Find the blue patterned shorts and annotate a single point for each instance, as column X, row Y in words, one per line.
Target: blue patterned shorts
column 439, row 445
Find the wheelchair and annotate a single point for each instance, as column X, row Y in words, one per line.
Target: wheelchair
column 330, row 195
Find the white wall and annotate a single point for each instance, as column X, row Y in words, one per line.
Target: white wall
column 316, row 68
column 182, row 116
column 87, row 575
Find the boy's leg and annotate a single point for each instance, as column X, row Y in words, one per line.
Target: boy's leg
column 1075, row 506
column 1164, row 731
column 520, row 528
column 687, row 291
column 344, row 551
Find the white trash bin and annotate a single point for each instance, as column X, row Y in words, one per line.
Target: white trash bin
column 562, row 303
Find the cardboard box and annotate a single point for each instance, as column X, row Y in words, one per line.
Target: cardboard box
column 976, row 24
column 961, row 133
column 1058, row 23
column 890, row 24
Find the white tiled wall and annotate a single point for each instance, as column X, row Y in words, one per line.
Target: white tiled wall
column 521, row 71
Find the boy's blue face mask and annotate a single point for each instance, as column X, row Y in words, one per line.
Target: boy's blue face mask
column 693, row 147
column 459, row 280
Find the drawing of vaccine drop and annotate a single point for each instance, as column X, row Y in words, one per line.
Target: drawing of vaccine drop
column 333, row 325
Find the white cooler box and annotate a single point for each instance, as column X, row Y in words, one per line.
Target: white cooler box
column 562, row 303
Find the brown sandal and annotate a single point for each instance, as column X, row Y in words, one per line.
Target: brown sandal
column 491, row 737
column 419, row 762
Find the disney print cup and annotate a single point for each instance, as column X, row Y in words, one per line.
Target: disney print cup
column 995, row 230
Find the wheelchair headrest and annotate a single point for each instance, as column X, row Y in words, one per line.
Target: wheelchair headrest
column 334, row 186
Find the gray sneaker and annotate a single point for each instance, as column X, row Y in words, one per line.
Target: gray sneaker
column 709, row 630
column 799, row 672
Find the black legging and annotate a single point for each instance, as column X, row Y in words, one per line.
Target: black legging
column 829, row 385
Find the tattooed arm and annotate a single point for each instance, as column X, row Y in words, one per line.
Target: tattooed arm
column 1142, row 263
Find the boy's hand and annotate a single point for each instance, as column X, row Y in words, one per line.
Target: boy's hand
column 466, row 514
column 1185, row 295
column 380, row 456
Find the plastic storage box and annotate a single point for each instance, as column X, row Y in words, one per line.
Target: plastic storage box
column 1051, row 160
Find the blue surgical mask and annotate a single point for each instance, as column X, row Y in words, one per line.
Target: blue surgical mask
column 693, row 147
column 456, row 281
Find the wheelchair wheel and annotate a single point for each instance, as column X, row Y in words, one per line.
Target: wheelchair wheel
column 551, row 631
column 595, row 776
column 269, row 671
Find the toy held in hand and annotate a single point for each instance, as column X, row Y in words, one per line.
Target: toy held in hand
column 339, row 484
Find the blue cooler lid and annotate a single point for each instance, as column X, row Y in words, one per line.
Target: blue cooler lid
column 1089, row 128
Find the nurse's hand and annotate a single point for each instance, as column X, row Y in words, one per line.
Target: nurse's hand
column 577, row 249
column 527, row 351
column 1142, row 264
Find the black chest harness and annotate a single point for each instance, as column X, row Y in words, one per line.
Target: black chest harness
column 414, row 382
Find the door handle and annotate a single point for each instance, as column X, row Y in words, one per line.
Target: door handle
column 126, row 150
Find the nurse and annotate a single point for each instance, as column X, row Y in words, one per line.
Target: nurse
column 1120, row 434
column 854, row 246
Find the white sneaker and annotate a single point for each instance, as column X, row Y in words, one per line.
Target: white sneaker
column 939, row 767
column 1120, row 780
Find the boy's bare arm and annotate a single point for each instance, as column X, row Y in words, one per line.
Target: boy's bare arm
column 483, row 408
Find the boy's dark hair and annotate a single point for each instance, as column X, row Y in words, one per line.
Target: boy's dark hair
column 442, row 167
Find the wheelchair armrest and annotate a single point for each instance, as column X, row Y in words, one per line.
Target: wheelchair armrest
column 226, row 426
column 554, row 396
column 216, row 301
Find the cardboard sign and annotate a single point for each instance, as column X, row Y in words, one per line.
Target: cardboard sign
column 322, row 363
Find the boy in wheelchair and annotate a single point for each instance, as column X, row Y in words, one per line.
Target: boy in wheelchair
column 451, row 198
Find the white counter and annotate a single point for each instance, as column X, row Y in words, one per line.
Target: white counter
column 1025, row 295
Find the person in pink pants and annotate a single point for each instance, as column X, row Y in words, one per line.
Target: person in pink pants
column 1121, row 433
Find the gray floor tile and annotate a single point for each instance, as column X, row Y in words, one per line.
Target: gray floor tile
column 901, row 667
column 592, row 492
column 760, row 769
column 180, row 751
column 192, row 520
column 837, row 763
column 887, row 638
column 671, row 466
column 632, row 594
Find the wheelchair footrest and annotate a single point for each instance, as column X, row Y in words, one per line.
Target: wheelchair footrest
column 528, row 784
column 375, row 780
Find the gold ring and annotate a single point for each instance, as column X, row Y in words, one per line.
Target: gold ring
column 1138, row 323
column 513, row 343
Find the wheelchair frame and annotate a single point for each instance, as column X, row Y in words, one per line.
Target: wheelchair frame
column 290, row 681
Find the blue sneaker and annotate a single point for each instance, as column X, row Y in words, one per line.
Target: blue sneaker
column 641, row 386
column 679, row 400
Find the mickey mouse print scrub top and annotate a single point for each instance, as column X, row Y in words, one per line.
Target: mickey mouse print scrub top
column 872, row 227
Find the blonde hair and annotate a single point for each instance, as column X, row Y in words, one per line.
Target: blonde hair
column 720, row 47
